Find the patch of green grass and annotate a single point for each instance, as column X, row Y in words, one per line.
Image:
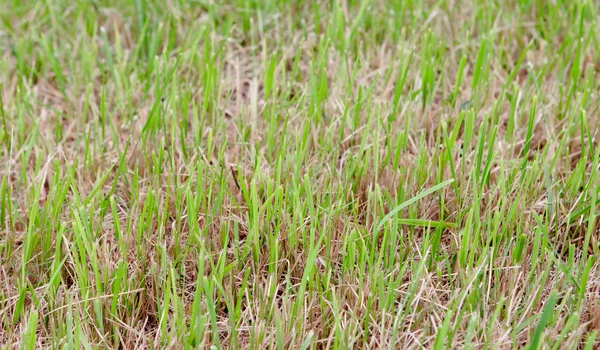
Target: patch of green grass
column 290, row 174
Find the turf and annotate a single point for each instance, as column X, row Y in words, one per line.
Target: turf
column 299, row 174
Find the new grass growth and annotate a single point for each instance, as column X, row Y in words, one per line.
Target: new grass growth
column 299, row 174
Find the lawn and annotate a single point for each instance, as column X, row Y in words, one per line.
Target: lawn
column 343, row 174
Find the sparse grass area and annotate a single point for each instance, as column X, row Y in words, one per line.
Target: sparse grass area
column 299, row 174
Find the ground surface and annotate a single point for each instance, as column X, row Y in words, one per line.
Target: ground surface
column 299, row 174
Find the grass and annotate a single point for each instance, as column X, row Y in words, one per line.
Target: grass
column 299, row 174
